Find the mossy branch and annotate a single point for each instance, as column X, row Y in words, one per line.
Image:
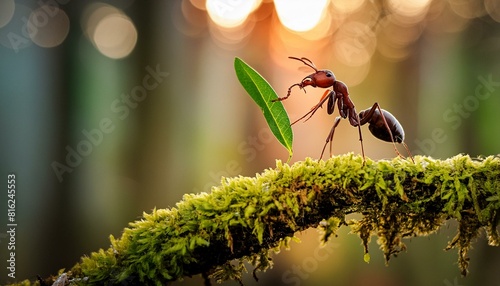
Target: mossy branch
column 244, row 218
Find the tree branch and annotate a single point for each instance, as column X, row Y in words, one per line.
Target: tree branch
column 244, row 218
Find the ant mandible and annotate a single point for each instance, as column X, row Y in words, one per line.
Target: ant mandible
column 382, row 124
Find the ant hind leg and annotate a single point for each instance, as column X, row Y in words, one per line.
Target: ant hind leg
column 370, row 114
column 408, row 151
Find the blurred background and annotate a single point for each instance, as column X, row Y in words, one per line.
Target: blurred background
column 109, row 109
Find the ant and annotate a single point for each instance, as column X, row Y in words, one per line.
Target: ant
column 382, row 124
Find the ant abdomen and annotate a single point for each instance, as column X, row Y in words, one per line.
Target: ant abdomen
column 378, row 128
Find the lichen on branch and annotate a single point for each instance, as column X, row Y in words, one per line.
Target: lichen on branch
column 246, row 218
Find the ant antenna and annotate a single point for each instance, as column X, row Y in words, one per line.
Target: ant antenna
column 305, row 61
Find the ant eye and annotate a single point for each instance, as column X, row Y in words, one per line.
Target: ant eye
column 329, row 74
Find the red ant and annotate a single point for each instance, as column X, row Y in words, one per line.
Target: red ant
column 382, row 124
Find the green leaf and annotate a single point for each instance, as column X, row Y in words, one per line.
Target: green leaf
column 263, row 94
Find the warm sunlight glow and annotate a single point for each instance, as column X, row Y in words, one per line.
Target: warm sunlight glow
column 409, row 8
column 354, row 43
column 347, row 6
column 231, row 38
column 192, row 21
column 300, row 15
column 199, row 4
column 230, row 13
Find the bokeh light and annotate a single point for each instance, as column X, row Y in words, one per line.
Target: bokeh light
column 193, row 20
column 493, row 9
column 48, row 26
column 354, row 43
column 7, row 8
column 420, row 59
column 300, row 15
column 327, row 25
column 441, row 18
column 229, row 14
column 347, row 6
column 115, row 36
column 199, row 4
column 231, row 38
column 110, row 30
column 409, row 8
column 468, row 9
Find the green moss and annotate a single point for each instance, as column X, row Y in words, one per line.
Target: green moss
column 245, row 218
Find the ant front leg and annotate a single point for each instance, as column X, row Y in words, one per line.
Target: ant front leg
column 326, row 96
column 288, row 93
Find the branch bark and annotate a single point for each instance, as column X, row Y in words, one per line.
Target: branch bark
column 244, row 218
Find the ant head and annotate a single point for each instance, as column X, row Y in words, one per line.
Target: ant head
column 321, row 78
